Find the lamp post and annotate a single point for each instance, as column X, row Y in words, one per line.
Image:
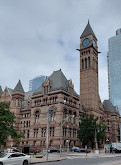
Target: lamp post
column 96, row 145
column 47, row 134
column 62, row 122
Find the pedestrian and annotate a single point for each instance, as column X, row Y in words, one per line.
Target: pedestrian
column 86, row 151
column 35, row 151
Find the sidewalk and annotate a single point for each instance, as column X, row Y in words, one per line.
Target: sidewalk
column 53, row 158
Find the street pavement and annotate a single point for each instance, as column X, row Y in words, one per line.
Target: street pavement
column 79, row 158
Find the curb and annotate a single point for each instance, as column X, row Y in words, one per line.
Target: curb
column 48, row 161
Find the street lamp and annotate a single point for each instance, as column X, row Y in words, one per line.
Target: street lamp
column 47, row 134
column 62, row 122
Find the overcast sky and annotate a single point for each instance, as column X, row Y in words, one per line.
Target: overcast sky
column 38, row 37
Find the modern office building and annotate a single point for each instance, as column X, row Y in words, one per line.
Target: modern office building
column 35, row 83
column 114, row 69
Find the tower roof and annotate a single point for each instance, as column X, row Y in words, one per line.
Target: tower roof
column 87, row 31
column 19, row 87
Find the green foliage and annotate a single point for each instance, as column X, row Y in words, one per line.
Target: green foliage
column 89, row 129
column 6, row 123
column 101, row 128
column 18, row 137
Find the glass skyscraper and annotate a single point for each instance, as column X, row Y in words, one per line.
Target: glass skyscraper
column 35, row 83
column 114, row 69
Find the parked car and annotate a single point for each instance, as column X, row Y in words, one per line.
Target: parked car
column 13, row 149
column 15, row 159
column 31, row 150
column 53, row 149
column 75, row 149
column 83, row 150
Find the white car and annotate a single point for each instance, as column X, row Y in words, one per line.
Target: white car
column 15, row 159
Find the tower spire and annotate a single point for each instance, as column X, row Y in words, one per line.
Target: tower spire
column 88, row 31
column 19, row 87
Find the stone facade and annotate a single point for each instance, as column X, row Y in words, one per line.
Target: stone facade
column 56, row 95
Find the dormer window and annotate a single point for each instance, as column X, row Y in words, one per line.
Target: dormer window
column 46, row 90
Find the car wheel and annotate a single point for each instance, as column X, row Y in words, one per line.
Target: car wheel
column 1, row 163
column 25, row 162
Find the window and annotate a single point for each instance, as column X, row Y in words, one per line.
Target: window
column 82, row 64
column 64, row 132
column 51, row 142
column 34, row 143
column 43, row 132
column 85, row 62
column 74, row 133
column 21, row 124
column 51, row 131
column 27, row 124
column 52, row 115
column 74, row 119
column 28, row 134
column 89, row 62
column 37, row 115
column 64, row 114
column 24, row 124
column 35, row 132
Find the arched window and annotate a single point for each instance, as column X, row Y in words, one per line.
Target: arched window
column 27, row 124
column 24, row 124
column 89, row 62
column 70, row 115
column 74, row 118
column 37, row 117
column 52, row 115
column 64, row 114
column 85, row 62
column 21, row 124
column 82, row 64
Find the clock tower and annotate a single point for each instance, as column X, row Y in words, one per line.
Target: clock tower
column 89, row 97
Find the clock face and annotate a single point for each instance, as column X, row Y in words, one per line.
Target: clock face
column 94, row 43
column 86, row 42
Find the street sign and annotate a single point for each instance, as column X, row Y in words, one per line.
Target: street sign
column 60, row 141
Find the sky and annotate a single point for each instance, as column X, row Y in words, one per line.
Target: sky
column 38, row 37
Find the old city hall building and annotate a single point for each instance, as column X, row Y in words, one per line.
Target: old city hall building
column 57, row 95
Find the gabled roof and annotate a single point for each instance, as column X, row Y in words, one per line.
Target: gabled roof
column 10, row 91
column 88, row 31
column 57, row 81
column 109, row 106
column 1, row 91
column 19, row 87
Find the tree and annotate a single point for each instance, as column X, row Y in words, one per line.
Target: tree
column 18, row 137
column 101, row 128
column 89, row 129
column 6, row 123
column 86, row 132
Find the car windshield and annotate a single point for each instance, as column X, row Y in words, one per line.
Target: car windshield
column 5, row 155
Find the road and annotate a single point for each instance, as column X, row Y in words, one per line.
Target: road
column 83, row 161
